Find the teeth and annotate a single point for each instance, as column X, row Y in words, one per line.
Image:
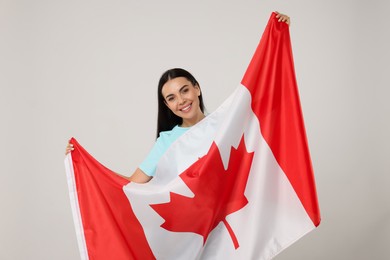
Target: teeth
column 185, row 108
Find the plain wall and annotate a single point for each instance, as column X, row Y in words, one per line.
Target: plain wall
column 89, row 69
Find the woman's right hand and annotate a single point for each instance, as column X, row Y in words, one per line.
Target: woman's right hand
column 69, row 148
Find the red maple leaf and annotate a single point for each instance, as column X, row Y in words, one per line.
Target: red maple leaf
column 218, row 193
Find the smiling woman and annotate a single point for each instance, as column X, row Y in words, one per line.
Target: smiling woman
column 180, row 100
column 181, row 97
column 180, row 106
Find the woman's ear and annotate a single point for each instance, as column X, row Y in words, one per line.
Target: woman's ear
column 198, row 89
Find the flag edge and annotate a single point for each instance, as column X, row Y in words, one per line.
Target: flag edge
column 74, row 203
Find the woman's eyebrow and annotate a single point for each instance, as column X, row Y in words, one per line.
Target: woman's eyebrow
column 186, row 85
column 183, row 87
column 169, row 95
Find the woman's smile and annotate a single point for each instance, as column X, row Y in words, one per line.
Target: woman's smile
column 186, row 109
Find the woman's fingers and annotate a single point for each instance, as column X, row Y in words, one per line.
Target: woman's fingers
column 69, row 148
column 283, row 18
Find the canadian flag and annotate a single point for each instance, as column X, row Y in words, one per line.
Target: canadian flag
column 237, row 185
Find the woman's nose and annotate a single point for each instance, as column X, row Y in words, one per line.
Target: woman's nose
column 181, row 100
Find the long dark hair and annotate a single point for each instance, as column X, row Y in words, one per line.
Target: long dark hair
column 166, row 119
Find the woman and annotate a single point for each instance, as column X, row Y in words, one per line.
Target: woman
column 180, row 106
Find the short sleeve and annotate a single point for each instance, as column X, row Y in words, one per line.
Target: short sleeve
column 149, row 164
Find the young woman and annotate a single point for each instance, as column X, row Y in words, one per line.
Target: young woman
column 180, row 106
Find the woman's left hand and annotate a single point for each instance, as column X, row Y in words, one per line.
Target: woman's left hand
column 283, row 18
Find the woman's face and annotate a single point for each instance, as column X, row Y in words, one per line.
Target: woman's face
column 182, row 98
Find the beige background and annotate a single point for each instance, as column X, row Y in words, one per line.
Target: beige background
column 89, row 69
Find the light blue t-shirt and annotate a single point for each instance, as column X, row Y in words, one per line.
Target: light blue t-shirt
column 166, row 138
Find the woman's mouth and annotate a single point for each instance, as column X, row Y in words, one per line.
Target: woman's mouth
column 186, row 108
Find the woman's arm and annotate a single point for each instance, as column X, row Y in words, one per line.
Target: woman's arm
column 139, row 177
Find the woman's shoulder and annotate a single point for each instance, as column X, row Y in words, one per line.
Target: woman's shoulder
column 173, row 133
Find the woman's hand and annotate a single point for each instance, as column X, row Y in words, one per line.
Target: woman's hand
column 283, row 18
column 69, row 148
